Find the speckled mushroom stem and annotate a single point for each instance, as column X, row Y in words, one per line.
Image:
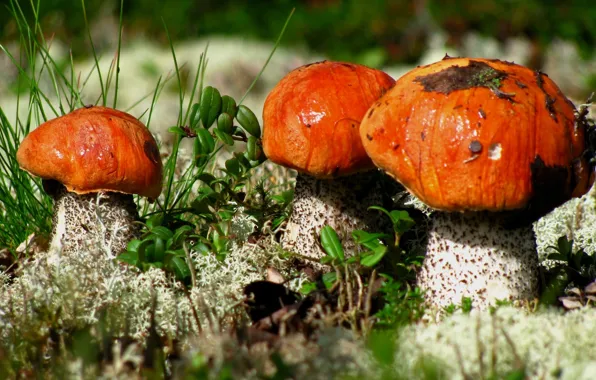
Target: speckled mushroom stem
column 474, row 255
column 341, row 203
column 104, row 220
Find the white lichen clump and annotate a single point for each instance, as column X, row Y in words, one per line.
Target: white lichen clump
column 81, row 285
column 335, row 352
column 547, row 343
column 575, row 220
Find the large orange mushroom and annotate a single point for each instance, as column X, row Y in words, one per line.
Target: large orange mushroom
column 493, row 146
column 91, row 161
column 311, row 122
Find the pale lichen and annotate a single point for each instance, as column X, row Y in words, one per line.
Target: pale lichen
column 472, row 345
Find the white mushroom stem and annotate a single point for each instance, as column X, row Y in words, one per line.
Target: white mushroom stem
column 104, row 220
column 341, row 203
column 473, row 255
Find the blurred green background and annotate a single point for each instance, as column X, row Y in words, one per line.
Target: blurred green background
column 390, row 31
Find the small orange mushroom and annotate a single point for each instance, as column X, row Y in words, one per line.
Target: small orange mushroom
column 311, row 123
column 93, row 159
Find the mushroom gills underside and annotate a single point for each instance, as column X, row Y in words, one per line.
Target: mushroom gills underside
column 474, row 255
column 105, row 220
column 341, row 203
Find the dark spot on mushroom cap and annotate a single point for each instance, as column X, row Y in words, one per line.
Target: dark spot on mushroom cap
column 549, row 101
column 551, row 188
column 369, row 137
column 475, row 146
column 151, row 152
column 476, row 74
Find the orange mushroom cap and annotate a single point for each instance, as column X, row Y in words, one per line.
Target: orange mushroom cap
column 94, row 149
column 311, row 118
column 477, row 134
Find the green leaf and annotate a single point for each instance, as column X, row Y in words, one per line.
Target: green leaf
column 331, row 243
column 162, row 232
column 564, row 245
column 201, row 205
column 180, row 234
column 225, row 123
column 308, row 287
column 233, row 166
column 149, row 252
column 177, row 130
column 207, row 178
column 155, row 220
column 129, row 257
column 159, row 249
column 220, row 243
column 203, row 147
column 228, row 105
column 253, row 148
column 210, row 106
column 207, row 141
column 193, row 119
column 180, row 268
column 133, row 245
column 248, row 121
column 557, row 256
column 329, row 279
column 202, row 248
column 374, row 258
column 369, row 240
column 225, row 214
column 243, row 160
column 224, row 137
column 142, row 248
column 402, row 221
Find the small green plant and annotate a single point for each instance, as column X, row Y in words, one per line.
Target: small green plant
column 465, row 306
column 377, row 244
column 573, row 267
column 401, row 302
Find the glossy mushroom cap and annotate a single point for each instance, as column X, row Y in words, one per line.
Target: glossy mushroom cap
column 311, row 118
column 95, row 149
column 477, row 134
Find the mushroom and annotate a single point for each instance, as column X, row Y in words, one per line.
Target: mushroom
column 492, row 146
column 311, row 123
column 91, row 161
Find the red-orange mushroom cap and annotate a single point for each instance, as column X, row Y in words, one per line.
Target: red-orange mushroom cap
column 477, row 134
column 311, row 119
column 95, row 149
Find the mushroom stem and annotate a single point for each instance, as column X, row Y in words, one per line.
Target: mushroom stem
column 474, row 255
column 341, row 203
column 82, row 221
